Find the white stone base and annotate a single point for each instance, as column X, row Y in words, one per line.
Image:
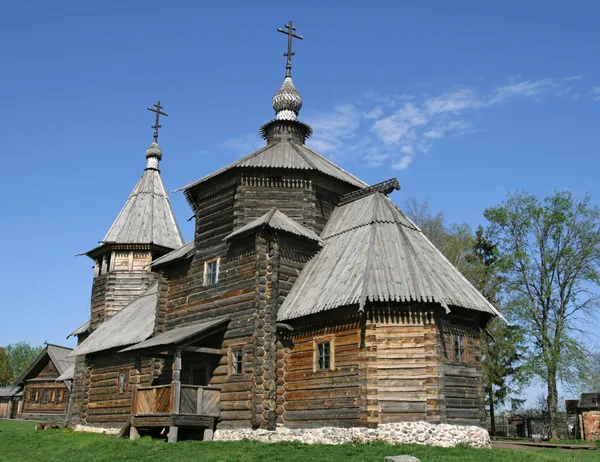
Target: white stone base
column 443, row 435
column 88, row 429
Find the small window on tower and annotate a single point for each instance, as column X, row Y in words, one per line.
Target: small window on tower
column 211, row 271
column 459, row 348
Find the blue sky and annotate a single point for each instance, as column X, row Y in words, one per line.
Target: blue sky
column 462, row 101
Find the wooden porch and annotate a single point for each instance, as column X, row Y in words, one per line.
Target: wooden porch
column 175, row 405
column 158, row 406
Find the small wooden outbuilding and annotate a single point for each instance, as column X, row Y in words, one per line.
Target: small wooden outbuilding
column 10, row 402
column 43, row 396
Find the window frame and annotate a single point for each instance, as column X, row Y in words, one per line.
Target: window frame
column 121, row 390
column 316, row 342
column 217, row 261
column 230, row 361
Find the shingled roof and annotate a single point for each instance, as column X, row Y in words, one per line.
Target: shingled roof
column 132, row 324
column 288, row 154
column 147, row 216
column 181, row 253
column 278, row 221
column 373, row 252
column 59, row 356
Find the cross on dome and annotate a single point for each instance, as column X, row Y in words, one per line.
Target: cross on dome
column 290, row 33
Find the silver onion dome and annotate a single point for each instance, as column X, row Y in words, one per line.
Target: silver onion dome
column 287, row 102
column 153, row 154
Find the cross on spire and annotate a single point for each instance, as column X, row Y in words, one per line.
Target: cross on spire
column 156, row 125
column 290, row 33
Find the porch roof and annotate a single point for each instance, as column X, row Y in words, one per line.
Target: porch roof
column 179, row 334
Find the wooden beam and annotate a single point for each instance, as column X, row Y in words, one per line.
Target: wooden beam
column 209, row 351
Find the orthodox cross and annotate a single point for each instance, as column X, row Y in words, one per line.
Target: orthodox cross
column 290, row 33
column 158, row 111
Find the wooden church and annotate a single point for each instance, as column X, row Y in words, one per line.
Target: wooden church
column 306, row 299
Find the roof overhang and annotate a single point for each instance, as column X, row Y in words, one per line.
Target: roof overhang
column 109, row 246
column 180, row 336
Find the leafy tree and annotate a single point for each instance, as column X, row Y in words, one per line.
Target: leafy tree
column 502, row 352
column 550, row 261
column 501, row 345
column 21, row 355
column 6, row 373
column 455, row 241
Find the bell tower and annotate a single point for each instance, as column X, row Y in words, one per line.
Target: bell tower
column 144, row 230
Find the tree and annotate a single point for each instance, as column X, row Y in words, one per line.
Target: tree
column 501, row 345
column 6, row 373
column 502, row 352
column 21, row 355
column 455, row 241
column 550, row 257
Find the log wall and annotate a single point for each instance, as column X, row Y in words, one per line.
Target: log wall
column 461, row 382
column 403, row 364
column 111, row 292
column 315, row 398
column 104, row 405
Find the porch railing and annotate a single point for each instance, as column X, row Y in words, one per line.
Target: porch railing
column 193, row 399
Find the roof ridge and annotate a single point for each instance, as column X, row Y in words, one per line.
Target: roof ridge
column 227, row 167
column 270, row 214
column 375, row 196
column 367, row 264
column 333, row 164
column 297, row 149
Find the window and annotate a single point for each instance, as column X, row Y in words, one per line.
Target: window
column 44, row 396
column 323, row 359
column 122, row 381
column 236, row 359
column 324, row 356
column 57, row 396
column 459, row 348
column 211, row 271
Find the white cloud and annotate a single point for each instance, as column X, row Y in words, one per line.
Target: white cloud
column 333, row 128
column 596, row 93
column 377, row 130
column 453, row 102
column 374, row 113
column 402, row 164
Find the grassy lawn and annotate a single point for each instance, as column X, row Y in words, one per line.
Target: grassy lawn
column 19, row 442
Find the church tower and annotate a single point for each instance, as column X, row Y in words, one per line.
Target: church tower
column 144, row 230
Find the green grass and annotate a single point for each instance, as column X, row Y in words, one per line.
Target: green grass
column 20, row 442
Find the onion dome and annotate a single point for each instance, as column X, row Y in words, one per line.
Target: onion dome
column 154, row 155
column 287, row 102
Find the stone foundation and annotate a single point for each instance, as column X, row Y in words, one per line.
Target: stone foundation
column 88, row 429
column 443, row 435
